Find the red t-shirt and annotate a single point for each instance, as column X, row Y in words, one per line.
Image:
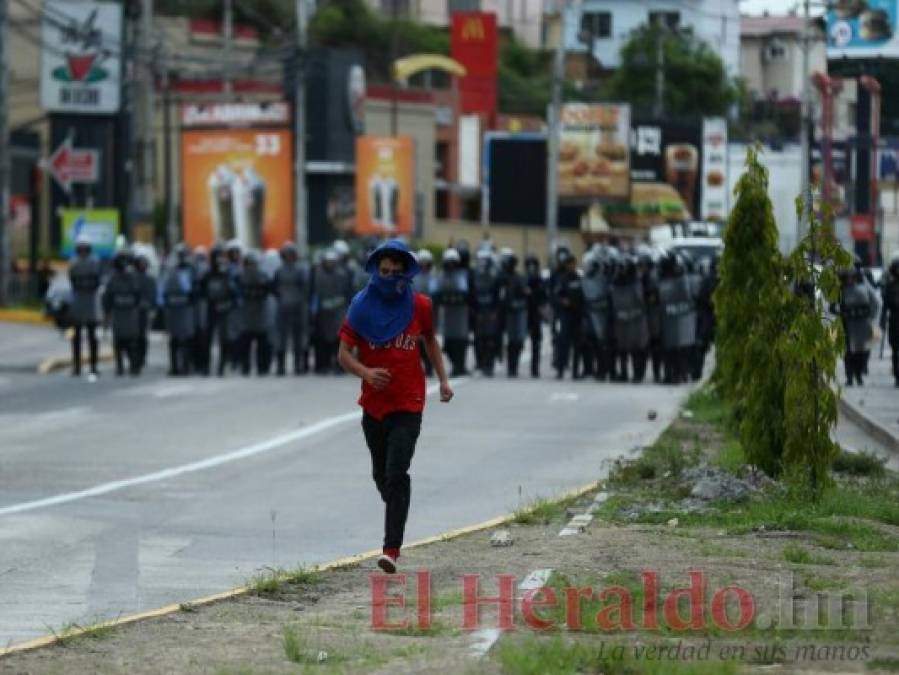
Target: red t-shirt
column 401, row 356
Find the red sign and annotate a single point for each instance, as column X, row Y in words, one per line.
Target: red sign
column 862, row 227
column 474, row 45
column 70, row 165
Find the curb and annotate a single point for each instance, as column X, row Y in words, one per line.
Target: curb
column 55, row 363
column 30, row 316
column 243, row 590
column 869, row 425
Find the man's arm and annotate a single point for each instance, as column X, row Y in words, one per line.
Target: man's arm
column 376, row 377
column 432, row 347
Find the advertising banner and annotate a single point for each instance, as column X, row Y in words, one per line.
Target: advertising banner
column 237, row 184
column 469, row 151
column 100, row 226
column 668, row 156
column 714, row 169
column 594, row 158
column 385, row 186
column 862, row 29
column 474, row 44
column 81, row 56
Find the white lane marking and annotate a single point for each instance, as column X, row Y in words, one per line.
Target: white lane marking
column 564, row 396
column 201, row 465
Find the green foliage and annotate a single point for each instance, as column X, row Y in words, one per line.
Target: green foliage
column 749, row 303
column 860, row 464
column 809, row 348
column 696, row 82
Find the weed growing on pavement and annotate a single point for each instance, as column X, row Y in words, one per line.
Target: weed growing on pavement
column 816, row 583
column 796, row 554
column 542, row 511
column 73, row 631
column 272, row 578
column 707, row 407
column 889, row 665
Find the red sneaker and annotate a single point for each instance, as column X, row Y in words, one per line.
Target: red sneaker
column 387, row 561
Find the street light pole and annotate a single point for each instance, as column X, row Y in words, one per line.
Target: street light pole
column 4, row 154
column 552, row 140
column 805, row 126
column 300, row 228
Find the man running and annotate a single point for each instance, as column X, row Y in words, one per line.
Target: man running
column 379, row 343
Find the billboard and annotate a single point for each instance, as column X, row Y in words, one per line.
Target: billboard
column 514, row 170
column 594, row 155
column 714, row 169
column 237, row 184
column 669, row 154
column 81, row 61
column 385, row 185
column 474, row 44
column 100, row 226
column 863, row 29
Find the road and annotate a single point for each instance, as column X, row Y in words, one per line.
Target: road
column 130, row 494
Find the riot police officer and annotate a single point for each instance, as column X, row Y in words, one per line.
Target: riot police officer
column 705, row 314
column 597, row 318
column 451, row 297
column 331, row 297
column 121, row 303
column 292, row 288
column 568, row 302
column 677, row 298
column 513, row 298
column 84, row 275
column 220, row 292
column 146, row 307
column 255, row 287
column 178, row 299
column 631, row 324
column 486, row 311
column 857, row 309
column 538, row 309
column 889, row 315
column 425, row 283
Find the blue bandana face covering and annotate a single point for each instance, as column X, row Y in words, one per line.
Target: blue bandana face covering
column 384, row 308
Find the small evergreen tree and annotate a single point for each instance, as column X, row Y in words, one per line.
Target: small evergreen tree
column 810, row 348
column 750, row 303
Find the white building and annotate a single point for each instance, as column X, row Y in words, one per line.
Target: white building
column 523, row 17
column 612, row 22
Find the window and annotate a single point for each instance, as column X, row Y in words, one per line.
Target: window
column 669, row 20
column 463, row 6
column 597, row 24
column 399, row 7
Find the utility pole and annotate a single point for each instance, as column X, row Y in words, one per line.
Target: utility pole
column 659, row 109
column 229, row 40
column 301, row 224
column 552, row 140
column 394, row 16
column 4, row 154
column 173, row 231
column 805, row 125
column 144, row 116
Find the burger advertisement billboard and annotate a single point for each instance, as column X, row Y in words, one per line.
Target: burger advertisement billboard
column 862, row 29
column 594, row 157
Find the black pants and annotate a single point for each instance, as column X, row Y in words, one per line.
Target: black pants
column 637, row 359
column 129, row 347
column 455, row 350
column 854, row 362
column 142, row 340
column 91, row 329
column 326, row 356
column 263, row 352
column 536, row 340
column 180, row 355
column 567, row 340
column 392, row 444
column 513, row 355
column 895, row 349
column 291, row 333
column 485, row 351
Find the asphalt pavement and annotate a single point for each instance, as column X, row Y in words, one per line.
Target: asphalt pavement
column 132, row 493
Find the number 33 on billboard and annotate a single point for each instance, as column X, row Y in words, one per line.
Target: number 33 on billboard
column 268, row 144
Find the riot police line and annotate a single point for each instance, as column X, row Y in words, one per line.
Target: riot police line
column 230, row 310
column 619, row 315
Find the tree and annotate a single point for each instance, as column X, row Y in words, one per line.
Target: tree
column 696, row 82
column 750, row 303
column 810, row 347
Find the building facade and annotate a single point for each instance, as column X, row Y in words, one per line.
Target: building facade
column 524, row 18
column 601, row 28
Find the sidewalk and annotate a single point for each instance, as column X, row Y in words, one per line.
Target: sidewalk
column 875, row 406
